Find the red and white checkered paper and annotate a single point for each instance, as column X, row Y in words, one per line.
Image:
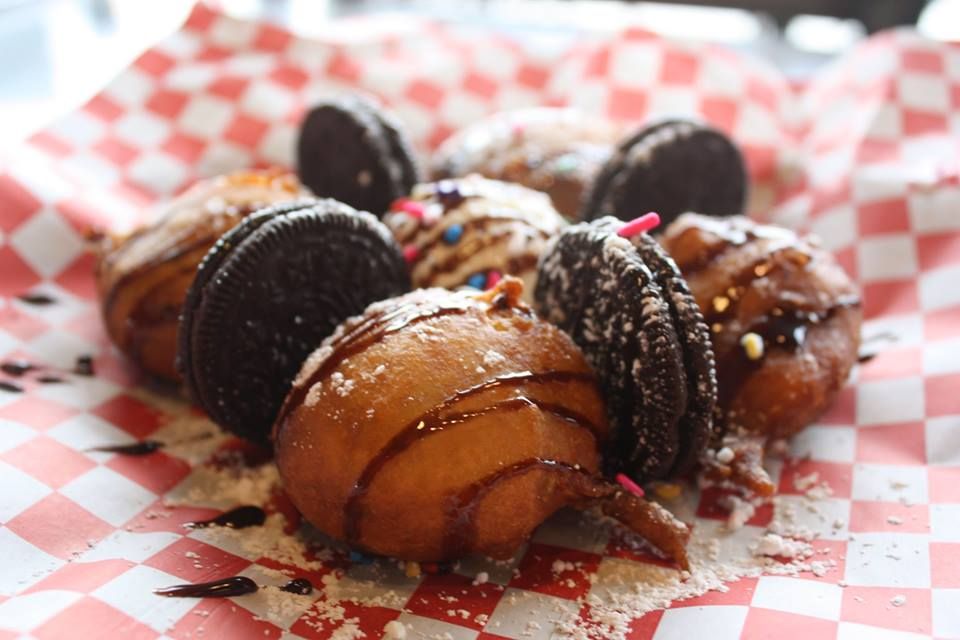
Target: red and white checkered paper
column 868, row 156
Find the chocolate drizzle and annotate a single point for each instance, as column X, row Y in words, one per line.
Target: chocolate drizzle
column 12, row 387
column 16, row 368
column 84, row 366
column 729, row 236
column 239, row 518
column 724, row 307
column 471, row 244
column 367, row 333
column 434, row 421
column 142, row 448
column 223, row 588
column 36, row 299
column 868, row 352
column 299, row 586
column 461, row 509
column 782, row 328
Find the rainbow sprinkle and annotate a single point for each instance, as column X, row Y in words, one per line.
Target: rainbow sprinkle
column 646, row 222
column 630, row 485
column 477, row 281
column 453, row 233
column 408, row 206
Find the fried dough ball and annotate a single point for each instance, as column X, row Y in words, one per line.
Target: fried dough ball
column 440, row 424
column 143, row 277
column 556, row 151
column 784, row 319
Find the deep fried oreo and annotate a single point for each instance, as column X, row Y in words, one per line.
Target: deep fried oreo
column 351, row 150
column 670, row 167
column 268, row 293
column 627, row 307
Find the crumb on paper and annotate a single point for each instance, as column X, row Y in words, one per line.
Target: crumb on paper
column 394, row 630
column 725, row 455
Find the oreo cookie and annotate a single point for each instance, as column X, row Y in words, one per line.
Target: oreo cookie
column 671, row 167
column 625, row 304
column 265, row 296
column 351, row 150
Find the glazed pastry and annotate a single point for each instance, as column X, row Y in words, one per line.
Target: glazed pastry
column 267, row 293
column 783, row 315
column 556, row 151
column 472, row 231
column 143, row 277
column 353, row 151
column 499, row 430
column 625, row 304
column 670, row 167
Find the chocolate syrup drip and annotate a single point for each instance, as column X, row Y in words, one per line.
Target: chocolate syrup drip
column 223, row 588
column 142, row 448
column 367, row 333
column 299, row 586
column 433, row 422
column 16, row 368
column 50, row 380
column 145, row 316
column 784, row 329
column 866, row 353
column 239, row 518
column 83, row 366
column 37, row 299
column 12, row 387
column 461, row 510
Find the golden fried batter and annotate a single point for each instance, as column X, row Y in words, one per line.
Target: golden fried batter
column 143, row 277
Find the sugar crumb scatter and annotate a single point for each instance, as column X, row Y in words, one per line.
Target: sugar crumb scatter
column 721, row 551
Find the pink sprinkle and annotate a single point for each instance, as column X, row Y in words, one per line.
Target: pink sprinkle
column 492, row 279
column 646, row 222
column 410, row 207
column 410, row 252
column 629, row 484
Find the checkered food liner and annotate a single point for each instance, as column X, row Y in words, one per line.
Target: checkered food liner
column 865, row 530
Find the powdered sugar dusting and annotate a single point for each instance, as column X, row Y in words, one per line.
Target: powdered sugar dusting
column 621, row 589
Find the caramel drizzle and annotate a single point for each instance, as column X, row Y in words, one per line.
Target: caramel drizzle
column 367, row 333
column 434, row 422
column 461, row 509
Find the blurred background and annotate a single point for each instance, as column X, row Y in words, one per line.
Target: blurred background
column 57, row 53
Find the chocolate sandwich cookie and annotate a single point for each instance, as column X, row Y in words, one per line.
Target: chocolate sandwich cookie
column 351, row 150
column 268, row 293
column 671, row 167
column 625, row 304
